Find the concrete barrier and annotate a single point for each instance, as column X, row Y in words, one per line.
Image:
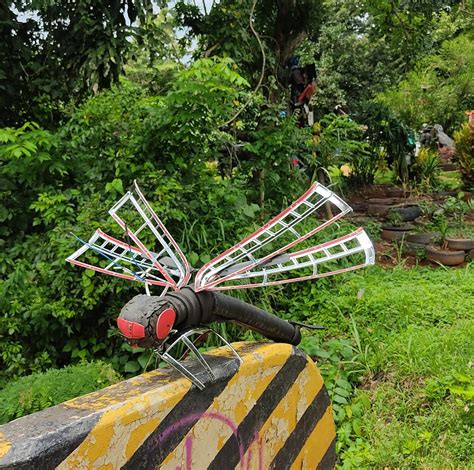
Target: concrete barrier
column 272, row 412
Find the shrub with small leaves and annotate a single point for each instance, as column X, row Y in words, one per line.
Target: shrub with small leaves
column 340, row 366
column 44, row 389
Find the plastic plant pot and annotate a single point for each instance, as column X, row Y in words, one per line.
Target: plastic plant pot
column 465, row 244
column 445, row 257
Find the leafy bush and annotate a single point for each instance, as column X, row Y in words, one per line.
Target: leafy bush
column 28, row 163
column 44, row 389
column 55, row 314
column 339, row 140
column 388, row 136
column 426, row 169
column 345, row 363
column 440, row 88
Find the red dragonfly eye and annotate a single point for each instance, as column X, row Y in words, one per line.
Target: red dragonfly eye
column 165, row 322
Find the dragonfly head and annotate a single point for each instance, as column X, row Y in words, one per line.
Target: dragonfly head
column 146, row 321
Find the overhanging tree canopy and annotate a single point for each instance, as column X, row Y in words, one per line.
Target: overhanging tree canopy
column 55, row 51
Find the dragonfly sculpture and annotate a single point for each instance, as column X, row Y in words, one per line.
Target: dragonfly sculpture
column 269, row 256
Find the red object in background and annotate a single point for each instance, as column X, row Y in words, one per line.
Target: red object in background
column 308, row 92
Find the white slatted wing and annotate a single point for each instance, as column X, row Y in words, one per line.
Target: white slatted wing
column 117, row 258
column 254, row 256
column 149, row 225
column 310, row 263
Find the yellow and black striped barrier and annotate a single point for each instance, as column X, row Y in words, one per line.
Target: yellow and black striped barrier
column 272, row 412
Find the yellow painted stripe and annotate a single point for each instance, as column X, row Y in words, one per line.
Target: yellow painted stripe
column 239, row 346
column 285, row 417
column 317, row 444
column 118, row 393
column 125, row 427
column 228, row 410
column 5, row 446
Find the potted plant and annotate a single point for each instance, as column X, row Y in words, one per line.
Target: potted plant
column 442, row 254
column 464, row 155
column 396, row 229
column 461, row 241
column 423, row 238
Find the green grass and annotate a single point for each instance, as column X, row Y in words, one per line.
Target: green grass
column 423, row 352
column 420, row 413
column 403, row 430
column 412, row 365
column 383, row 301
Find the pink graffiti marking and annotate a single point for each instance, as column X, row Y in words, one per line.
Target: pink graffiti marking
column 188, row 446
column 249, row 458
column 212, row 415
column 257, row 440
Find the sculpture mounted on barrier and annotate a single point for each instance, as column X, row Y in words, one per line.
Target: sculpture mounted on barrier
column 263, row 258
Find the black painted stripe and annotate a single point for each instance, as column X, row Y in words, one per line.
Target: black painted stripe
column 229, row 454
column 305, row 426
column 41, row 441
column 328, row 462
column 176, row 424
column 53, row 454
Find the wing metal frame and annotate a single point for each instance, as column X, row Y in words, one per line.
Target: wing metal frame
column 311, row 257
column 152, row 223
column 119, row 253
column 314, row 198
column 240, row 262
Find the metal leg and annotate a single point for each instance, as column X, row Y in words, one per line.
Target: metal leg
column 180, row 367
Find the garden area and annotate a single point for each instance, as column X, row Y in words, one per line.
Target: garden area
column 225, row 113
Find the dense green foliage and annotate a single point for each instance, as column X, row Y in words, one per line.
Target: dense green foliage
column 56, row 51
column 201, row 119
column 44, row 389
column 439, row 89
column 279, row 28
column 338, row 141
column 63, row 182
column 352, row 66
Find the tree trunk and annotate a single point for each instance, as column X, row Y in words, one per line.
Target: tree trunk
column 322, row 180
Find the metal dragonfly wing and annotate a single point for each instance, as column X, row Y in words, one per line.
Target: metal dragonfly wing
column 166, row 266
column 263, row 258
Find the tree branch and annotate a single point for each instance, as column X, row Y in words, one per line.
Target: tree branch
column 262, row 72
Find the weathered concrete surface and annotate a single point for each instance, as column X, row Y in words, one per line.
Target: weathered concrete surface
column 271, row 412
